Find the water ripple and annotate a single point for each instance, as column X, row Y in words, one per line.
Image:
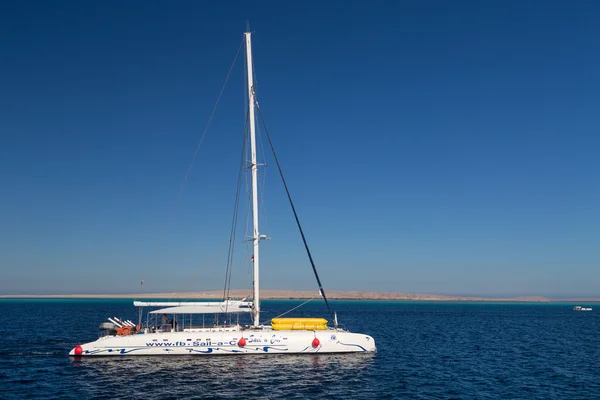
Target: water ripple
column 426, row 351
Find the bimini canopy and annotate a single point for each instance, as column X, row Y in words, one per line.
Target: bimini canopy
column 197, row 307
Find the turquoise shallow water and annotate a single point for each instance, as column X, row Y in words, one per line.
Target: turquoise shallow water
column 425, row 351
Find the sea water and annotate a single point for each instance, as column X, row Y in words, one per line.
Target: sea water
column 426, row 350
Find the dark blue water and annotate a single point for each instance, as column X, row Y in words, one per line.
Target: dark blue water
column 425, row 351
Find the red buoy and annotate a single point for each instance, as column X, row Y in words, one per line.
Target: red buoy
column 78, row 350
column 242, row 342
column 316, row 342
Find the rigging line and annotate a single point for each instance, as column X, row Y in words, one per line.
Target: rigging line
column 247, row 228
column 207, row 261
column 185, row 178
column 312, row 263
column 249, row 248
column 262, row 183
column 295, row 308
column 236, row 207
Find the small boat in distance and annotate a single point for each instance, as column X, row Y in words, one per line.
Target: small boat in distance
column 580, row 308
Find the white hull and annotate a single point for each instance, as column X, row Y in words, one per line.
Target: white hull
column 227, row 341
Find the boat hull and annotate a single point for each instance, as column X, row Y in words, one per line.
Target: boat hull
column 265, row 341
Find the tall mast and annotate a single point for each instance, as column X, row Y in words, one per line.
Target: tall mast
column 255, row 232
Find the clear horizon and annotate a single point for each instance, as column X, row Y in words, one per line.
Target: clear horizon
column 430, row 147
column 451, row 294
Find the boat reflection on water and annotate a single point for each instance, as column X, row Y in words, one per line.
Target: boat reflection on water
column 227, row 377
column 221, row 366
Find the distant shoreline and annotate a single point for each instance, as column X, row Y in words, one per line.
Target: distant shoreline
column 302, row 295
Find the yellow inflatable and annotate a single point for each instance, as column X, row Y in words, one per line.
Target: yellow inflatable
column 299, row 324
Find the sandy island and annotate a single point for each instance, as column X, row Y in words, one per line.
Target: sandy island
column 301, row 294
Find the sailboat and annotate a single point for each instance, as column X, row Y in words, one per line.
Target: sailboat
column 180, row 328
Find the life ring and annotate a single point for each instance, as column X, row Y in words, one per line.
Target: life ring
column 124, row 331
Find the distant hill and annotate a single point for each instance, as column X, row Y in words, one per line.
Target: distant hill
column 306, row 294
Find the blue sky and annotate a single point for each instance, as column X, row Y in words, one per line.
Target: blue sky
column 431, row 147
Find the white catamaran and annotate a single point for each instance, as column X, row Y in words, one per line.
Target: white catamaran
column 179, row 328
